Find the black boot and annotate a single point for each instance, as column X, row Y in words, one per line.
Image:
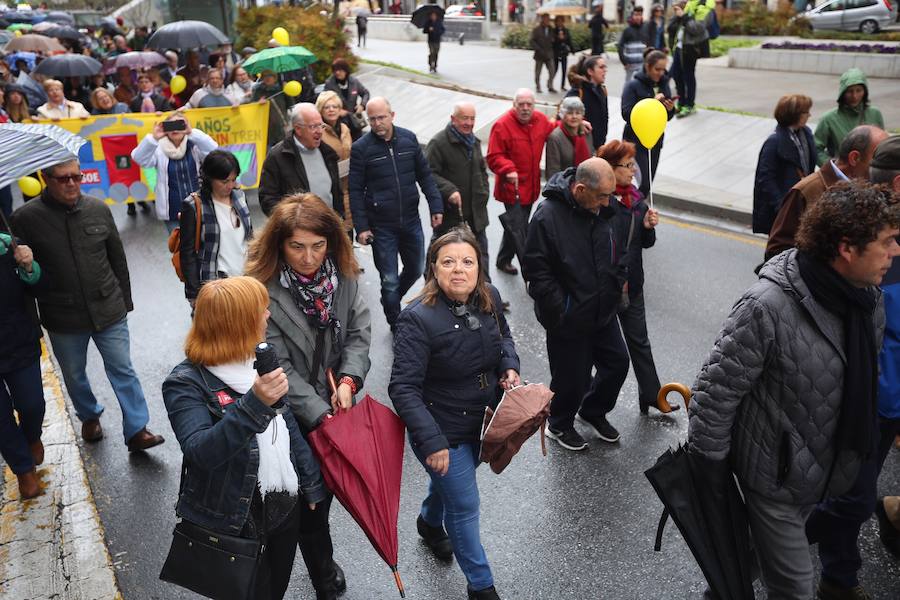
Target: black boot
column 435, row 538
column 485, row 594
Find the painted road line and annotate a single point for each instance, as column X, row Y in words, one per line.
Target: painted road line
column 53, row 546
column 746, row 239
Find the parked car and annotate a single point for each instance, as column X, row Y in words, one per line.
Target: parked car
column 867, row 16
column 463, row 10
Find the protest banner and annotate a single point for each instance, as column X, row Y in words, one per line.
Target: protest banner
column 109, row 173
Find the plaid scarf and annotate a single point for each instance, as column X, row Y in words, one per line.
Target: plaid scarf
column 315, row 295
column 467, row 140
column 209, row 231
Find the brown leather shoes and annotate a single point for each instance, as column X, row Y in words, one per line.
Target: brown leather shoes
column 91, row 430
column 37, row 452
column 144, row 440
column 29, row 486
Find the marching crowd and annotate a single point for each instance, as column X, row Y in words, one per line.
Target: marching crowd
column 800, row 392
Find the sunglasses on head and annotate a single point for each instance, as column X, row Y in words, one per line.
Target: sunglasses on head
column 462, row 310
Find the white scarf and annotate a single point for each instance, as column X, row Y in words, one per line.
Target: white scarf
column 174, row 152
column 276, row 471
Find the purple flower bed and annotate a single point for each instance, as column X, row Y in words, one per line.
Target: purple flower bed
column 865, row 48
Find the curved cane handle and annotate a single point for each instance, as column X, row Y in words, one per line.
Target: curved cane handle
column 682, row 389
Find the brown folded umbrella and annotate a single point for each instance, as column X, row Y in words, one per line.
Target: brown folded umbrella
column 522, row 411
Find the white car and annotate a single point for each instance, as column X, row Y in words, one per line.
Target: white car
column 867, row 16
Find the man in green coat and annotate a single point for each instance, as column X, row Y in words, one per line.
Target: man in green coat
column 852, row 111
column 460, row 173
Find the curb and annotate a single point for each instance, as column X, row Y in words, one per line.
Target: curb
column 52, row 546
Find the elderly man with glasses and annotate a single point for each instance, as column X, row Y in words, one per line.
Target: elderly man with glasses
column 302, row 163
column 575, row 269
column 75, row 238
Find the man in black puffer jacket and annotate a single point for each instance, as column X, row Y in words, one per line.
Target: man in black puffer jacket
column 788, row 393
column 385, row 166
column 575, row 273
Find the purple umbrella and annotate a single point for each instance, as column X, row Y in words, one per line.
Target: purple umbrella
column 136, row 61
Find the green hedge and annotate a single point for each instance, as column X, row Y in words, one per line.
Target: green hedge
column 757, row 19
column 307, row 27
column 519, row 36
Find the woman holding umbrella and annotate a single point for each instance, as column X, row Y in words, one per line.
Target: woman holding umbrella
column 247, row 470
column 434, row 29
column 15, row 103
column 453, row 356
column 319, row 321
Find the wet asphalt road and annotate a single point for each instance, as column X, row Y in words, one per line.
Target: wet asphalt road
column 568, row 526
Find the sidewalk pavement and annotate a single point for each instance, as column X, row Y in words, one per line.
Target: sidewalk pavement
column 708, row 159
column 52, row 547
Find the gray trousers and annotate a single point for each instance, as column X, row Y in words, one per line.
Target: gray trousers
column 551, row 71
column 779, row 536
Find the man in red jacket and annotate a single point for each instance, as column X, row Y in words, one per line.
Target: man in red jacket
column 514, row 155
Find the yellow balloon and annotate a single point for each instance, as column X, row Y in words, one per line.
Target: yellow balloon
column 280, row 35
column 177, row 84
column 18, row 33
column 648, row 120
column 293, row 88
column 30, row 186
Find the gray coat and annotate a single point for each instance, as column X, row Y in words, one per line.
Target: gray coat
column 454, row 171
column 561, row 152
column 770, row 392
column 294, row 339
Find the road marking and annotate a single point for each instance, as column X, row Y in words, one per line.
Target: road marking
column 746, row 239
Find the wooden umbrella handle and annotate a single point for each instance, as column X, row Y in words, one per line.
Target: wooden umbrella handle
column 682, row 389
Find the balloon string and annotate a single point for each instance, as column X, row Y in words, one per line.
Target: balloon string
column 650, row 169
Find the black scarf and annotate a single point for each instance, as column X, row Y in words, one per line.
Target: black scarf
column 855, row 306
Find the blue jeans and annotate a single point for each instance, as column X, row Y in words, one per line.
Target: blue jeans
column 21, row 391
column 115, row 349
column 409, row 243
column 453, row 502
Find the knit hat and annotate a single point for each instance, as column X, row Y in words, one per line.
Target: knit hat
column 887, row 154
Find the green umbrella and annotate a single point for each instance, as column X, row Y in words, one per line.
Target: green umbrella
column 279, row 60
column 22, row 26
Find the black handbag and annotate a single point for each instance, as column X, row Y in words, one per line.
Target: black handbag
column 212, row 564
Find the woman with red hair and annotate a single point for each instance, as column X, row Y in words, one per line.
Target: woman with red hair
column 640, row 222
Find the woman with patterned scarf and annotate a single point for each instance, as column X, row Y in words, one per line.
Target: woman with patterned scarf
column 319, row 321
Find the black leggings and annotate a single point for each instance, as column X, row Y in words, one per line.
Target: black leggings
column 561, row 64
column 275, row 568
column 315, row 544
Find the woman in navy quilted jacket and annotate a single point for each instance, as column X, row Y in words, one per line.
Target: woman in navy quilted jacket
column 453, row 356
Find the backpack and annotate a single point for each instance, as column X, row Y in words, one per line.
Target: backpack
column 175, row 238
column 712, row 25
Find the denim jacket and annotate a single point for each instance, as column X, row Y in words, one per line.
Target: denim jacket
column 221, row 457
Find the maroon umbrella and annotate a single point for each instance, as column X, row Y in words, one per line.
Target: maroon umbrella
column 361, row 455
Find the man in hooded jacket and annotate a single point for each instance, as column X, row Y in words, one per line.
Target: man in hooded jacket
column 576, row 273
column 853, row 110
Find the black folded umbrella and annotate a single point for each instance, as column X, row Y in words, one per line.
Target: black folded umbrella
column 185, row 35
column 702, row 498
column 515, row 222
column 69, row 65
column 60, row 16
column 423, row 14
